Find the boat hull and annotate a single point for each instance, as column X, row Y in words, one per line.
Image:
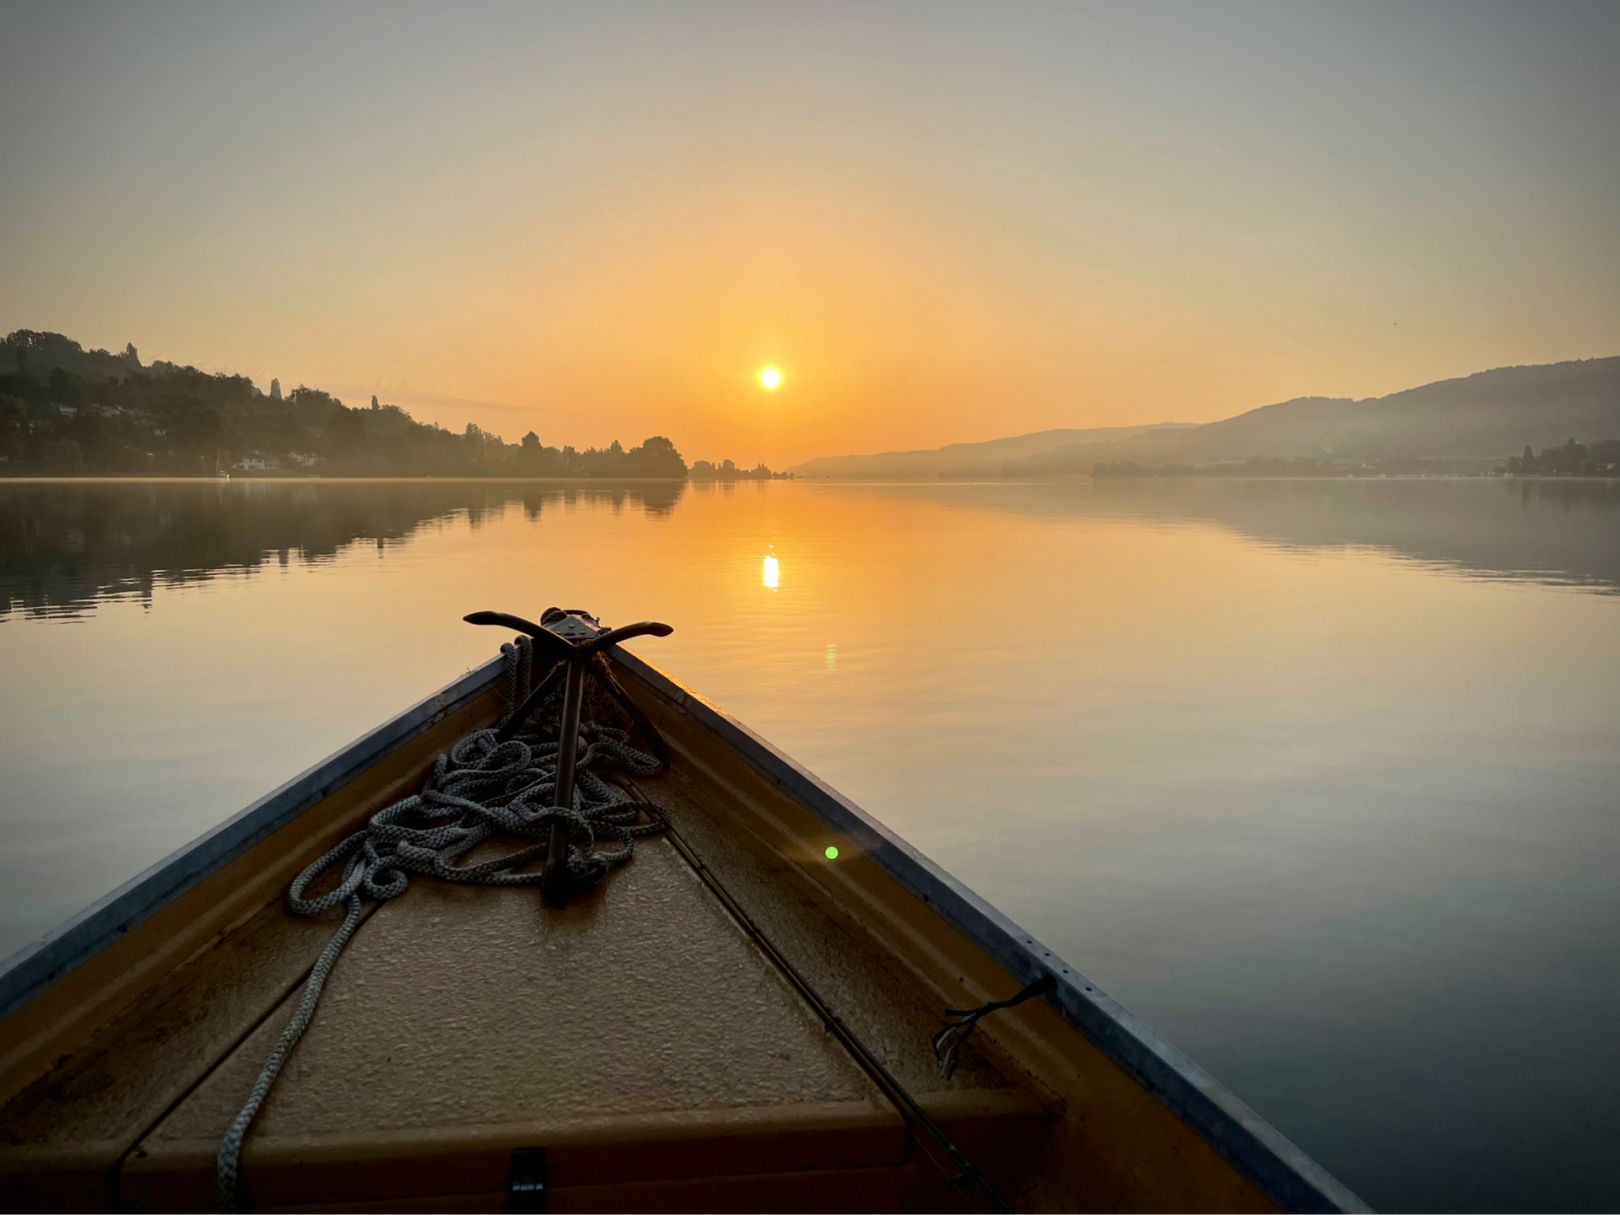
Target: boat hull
column 126, row 1029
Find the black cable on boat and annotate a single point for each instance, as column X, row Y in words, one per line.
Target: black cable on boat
column 948, row 1041
column 963, row 1176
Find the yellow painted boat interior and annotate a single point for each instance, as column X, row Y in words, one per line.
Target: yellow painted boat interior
column 639, row 1036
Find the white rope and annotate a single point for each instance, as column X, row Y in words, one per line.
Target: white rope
column 479, row 790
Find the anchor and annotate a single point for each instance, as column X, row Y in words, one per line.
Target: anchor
column 577, row 643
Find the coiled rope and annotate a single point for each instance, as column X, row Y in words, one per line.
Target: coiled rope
column 479, row 790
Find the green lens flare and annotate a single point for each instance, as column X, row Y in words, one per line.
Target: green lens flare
column 832, row 852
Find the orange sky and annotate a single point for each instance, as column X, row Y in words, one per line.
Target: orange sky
column 943, row 223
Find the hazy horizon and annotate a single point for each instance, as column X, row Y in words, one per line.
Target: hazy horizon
column 943, row 223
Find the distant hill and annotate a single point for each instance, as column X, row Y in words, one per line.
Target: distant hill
column 1473, row 421
column 959, row 458
column 1484, row 417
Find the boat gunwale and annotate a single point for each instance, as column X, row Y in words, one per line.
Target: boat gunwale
column 34, row 967
column 1283, row 1170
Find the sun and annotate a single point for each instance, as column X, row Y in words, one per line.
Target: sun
column 770, row 378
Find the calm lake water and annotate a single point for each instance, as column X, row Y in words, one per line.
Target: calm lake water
column 1318, row 777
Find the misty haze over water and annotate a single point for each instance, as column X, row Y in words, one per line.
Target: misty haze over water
column 1316, row 776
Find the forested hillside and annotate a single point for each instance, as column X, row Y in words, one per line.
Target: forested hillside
column 69, row 411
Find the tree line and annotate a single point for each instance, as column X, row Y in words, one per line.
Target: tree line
column 1571, row 460
column 67, row 411
column 704, row 470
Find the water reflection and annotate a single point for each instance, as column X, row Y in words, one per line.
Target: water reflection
column 63, row 546
column 1559, row 532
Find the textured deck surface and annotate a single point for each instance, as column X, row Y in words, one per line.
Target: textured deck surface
column 478, row 1005
column 476, row 1017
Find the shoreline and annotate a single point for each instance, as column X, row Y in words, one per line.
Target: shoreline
column 179, row 480
column 1082, row 479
